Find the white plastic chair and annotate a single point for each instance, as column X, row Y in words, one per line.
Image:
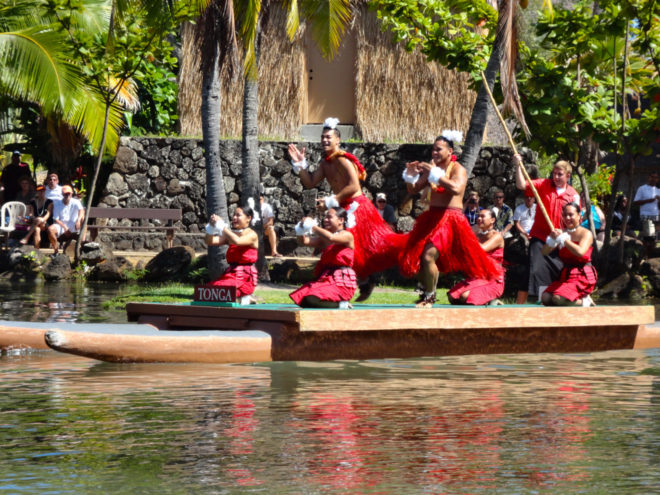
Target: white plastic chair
column 11, row 211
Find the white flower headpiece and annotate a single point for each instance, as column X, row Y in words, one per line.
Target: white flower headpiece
column 453, row 135
column 255, row 213
column 330, row 123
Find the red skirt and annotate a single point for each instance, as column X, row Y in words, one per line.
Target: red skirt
column 334, row 284
column 243, row 277
column 459, row 250
column 575, row 282
column 481, row 291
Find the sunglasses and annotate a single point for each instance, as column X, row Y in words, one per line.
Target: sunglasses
column 499, row 197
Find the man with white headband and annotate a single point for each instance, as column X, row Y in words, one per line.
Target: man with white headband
column 376, row 245
column 442, row 239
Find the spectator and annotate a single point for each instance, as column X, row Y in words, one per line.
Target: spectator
column 26, row 192
column 646, row 198
column 504, row 215
column 385, row 211
column 620, row 206
column 268, row 217
column 53, row 188
column 597, row 215
column 68, row 216
column 524, row 215
column 472, row 209
column 11, row 175
column 40, row 212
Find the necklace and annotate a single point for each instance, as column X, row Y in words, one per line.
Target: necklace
column 571, row 230
column 485, row 232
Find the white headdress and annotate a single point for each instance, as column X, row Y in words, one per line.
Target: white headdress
column 330, row 123
column 453, row 135
column 255, row 213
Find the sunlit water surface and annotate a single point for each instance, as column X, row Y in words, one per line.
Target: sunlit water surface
column 545, row 423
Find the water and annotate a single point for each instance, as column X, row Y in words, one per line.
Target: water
column 544, row 423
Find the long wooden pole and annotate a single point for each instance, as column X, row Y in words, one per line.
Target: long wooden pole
column 515, row 151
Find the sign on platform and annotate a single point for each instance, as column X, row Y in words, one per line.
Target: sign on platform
column 205, row 293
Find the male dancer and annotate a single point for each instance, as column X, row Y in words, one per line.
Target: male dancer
column 376, row 245
column 442, row 240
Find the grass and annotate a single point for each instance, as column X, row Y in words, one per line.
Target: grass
column 184, row 293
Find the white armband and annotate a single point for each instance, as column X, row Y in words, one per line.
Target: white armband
column 331, row 202
column 217, row 228
column 305, row 228
column 435, row 174
column 551, row 241
column 562, row 238
column 301, row 165
column 409, row 179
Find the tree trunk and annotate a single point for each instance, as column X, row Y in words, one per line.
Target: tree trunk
column 479, row 118
column 216, row 198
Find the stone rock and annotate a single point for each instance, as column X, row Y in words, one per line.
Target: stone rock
column 170, row 264
column 651, row 270
column 116, row 185
column 174, row 187
column 138, row 183
column 58, row 268
column 617, row 287
column 114, row 269
column 93, row 253
column 126, row 160
column 404, row 224
column 291, row 271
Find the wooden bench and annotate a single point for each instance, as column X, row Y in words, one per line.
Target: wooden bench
column 161, row 215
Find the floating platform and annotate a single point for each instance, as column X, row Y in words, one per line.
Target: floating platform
column 198, row 332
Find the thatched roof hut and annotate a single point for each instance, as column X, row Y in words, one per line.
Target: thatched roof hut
column 396, row 95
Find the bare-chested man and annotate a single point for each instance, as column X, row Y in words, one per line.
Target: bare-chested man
column 376, row 245
column 442, row 240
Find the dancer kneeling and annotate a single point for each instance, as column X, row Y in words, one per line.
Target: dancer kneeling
column 242, row 253
column 478, row 291
column 335, row 279
column 578, row 277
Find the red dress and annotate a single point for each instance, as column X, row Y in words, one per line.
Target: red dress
column 241, row 273
column 377, row 247
column 459, row 250
column 335, row 278
column 578, row 277
column 482, row 291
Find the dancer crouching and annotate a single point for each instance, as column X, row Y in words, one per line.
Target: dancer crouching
column 242, row 253
column 335, row 282
column 578, row 277
column 477, row 291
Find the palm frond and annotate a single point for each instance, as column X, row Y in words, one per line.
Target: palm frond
column 249, row 12
column 293, row 18
column 328, row 20
column 507, row 37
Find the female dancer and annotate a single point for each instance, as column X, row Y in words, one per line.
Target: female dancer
column 479, row 291
column 578, row 277
column 242, row 253
column 335, row 279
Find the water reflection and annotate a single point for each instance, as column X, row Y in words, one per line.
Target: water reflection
column 477, row 424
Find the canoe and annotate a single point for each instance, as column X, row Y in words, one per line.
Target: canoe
column 223, row 334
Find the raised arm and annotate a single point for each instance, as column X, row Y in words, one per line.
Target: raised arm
column 249, row 238
column 308, row 180
column 521, row 182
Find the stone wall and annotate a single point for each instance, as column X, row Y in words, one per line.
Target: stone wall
column 170, row 173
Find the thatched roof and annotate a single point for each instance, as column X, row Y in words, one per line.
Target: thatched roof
column 399, row 95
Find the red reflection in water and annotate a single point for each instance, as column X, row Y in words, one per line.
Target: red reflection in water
column 243, row 425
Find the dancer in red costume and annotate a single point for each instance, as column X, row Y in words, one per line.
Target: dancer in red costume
column 242, row 253
column 376, row 246
column 335, row 279
column 442, row 240
column 578, row 277
column 477, row 291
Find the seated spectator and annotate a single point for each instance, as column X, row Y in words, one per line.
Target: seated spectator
column 578, row 277
column 523, row 216
column 25, row 193
column 620, row 206
column 472, row 210
column 40, row 214
column 481, row 291
column 385, row 211
column 68, row 215
column 242, row 253
column 647, row 198
column 503, row 214
column 335, row 282
column 268, row 218
column 53, row 188
column 11, row 176
column 597, row 215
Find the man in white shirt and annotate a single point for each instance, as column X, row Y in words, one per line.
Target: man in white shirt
column 523, row 216
column 53, row 188
column 268, row 218
column 647, row 197
column 68, row 216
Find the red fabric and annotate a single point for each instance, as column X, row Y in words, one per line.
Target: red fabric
column 241, row 273
column 578, row 277
column 336, row 280
column 481, row 291
column 449, row 231
column 377, row 247
column 553, row 204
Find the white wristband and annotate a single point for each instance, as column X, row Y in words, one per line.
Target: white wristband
column 562, row 238
column 331, row 202
column 435, row 174
column 301, row 165
column 550, row 241
column 217, row 228
column 305, row 228
column 409, row 179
